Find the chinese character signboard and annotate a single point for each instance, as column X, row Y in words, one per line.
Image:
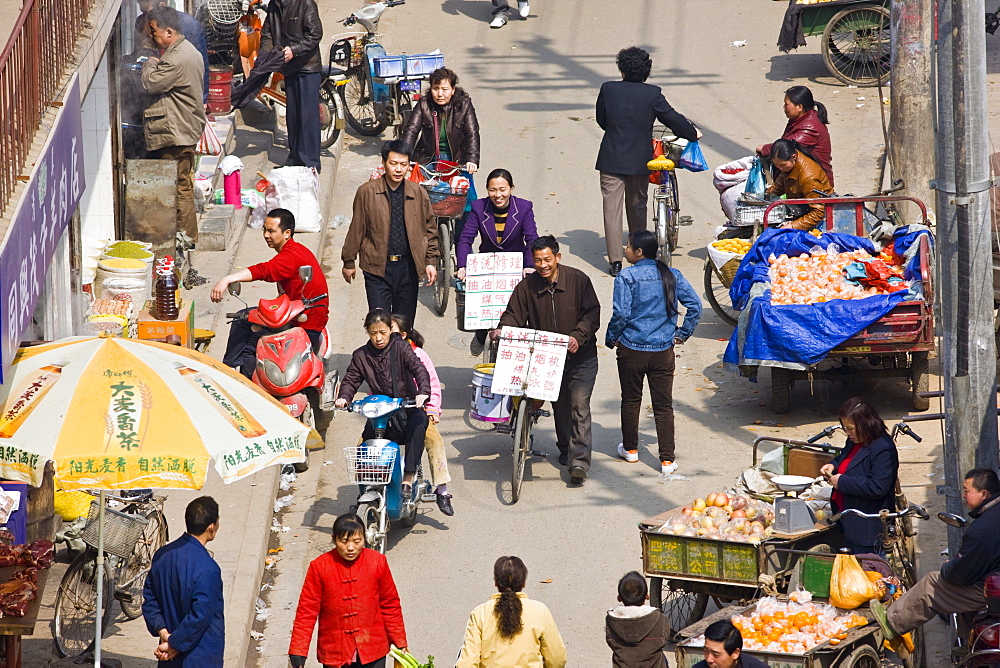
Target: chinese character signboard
column 46, row 206
column 530, row 363
column 489, row 280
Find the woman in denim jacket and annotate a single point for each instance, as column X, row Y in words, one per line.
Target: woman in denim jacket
column 644, row 329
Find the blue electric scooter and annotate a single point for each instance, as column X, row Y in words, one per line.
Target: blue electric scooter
column 376, row 466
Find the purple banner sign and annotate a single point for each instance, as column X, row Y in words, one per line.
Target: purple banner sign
column 47, row 205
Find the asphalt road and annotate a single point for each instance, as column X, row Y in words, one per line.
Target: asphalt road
column 534, row 84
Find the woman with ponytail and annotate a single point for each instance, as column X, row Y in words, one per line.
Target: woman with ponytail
column 644, row 329
column 807, row 121
column 511, row 629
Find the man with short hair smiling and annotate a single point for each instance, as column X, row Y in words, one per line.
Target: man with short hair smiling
column 394, row 232
column 182, row 598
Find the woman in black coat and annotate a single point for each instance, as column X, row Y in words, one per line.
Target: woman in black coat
column 863, row 475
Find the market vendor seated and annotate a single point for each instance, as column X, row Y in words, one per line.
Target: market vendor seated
column 958, row 586
column 724, row 648
column 799, row 177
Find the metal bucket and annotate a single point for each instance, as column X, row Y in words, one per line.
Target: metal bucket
column 486, row 406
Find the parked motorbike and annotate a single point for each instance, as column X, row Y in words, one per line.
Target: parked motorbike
column 376, row 466
column 287, row 368
column 980, row 646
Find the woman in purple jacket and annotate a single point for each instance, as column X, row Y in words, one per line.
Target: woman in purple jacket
column 506, row 224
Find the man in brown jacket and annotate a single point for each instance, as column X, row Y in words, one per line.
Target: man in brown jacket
column 394, row 231
column 173, row 123
column 562, row 299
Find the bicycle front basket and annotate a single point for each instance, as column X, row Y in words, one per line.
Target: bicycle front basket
column 121, row 530
column 370, row 465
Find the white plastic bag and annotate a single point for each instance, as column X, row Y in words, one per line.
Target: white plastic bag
column 295, row 189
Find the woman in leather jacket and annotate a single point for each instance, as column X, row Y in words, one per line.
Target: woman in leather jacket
column 443, row 124
column 799, row 177
column 807, row 121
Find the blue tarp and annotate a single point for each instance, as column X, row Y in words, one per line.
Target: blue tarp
column 804, row 334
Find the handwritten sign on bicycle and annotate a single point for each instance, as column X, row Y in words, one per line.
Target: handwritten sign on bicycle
column 489, row 280
column 530, row 363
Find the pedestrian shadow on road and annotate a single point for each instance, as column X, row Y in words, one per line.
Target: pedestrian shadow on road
column 797, row 66
column 480, row 11
column 586, row 246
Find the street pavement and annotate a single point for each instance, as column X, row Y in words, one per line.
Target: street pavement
column 534, row 84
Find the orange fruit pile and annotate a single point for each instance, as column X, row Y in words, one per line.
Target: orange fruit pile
column 815, row 277
column 794, row 628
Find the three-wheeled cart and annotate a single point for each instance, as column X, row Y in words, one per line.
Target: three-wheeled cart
column 684, row 571
column 862, row 648
column 855, row 36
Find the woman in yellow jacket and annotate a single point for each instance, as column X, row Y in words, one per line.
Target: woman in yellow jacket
column 510, row 629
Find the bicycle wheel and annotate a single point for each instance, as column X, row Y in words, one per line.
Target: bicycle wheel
column 673, row 228
column 405, row 105
column 359, row 106
column 856, row 45
column 133, row 576
column 521, row 444
column 681, row 608
column 718, row 295
column 374, row 536
column 663, row 220
column 330, row 115
column 73, row 625
column 445, row 268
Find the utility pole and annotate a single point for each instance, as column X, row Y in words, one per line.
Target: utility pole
column 911, row 109
column 964, row 261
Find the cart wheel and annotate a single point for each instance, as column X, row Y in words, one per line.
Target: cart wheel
column 856, row 45
column 681, row 608
column 717, row 294
column 781, row 389
column 863, row 657
column 919, row 381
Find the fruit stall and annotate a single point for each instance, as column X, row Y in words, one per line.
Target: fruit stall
column 727, row 546
column 825, row 304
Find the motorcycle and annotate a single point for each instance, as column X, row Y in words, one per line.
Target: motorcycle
column 981, row 645
column 376, row 466
column 287, row 368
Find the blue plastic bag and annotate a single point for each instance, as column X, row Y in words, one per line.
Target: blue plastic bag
column 692, row 159
column 755, row 180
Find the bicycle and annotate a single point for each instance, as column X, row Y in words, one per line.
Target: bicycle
column 379, row 89
column 524, row 415
column 666, row 196
column 448, row 206
column 132, row 535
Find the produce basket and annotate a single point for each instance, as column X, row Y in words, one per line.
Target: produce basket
column 121, row 530
column 370, row 465
column 727, row 259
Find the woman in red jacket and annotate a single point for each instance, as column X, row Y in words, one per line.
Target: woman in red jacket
column 807, row 121
column 352, row 592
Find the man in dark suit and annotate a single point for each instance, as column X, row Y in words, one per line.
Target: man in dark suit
column 625, row 111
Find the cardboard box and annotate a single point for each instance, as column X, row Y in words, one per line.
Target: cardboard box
column 149, row 328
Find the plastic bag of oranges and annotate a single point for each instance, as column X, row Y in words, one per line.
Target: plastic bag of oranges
column 849, row 585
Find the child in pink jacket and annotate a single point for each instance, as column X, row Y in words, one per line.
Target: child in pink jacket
column 433, row 442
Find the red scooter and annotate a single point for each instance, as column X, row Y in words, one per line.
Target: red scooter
column 287, row 368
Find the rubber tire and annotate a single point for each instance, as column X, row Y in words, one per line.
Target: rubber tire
column 919, row 380
column 864, row 656
column 411, row 519
column 712, row 282
column 369, row 518
column 405, row 111
column 781, row 389
column 366, row 126
column 330, row 106
column 832, row 54
column 82, row 573
column 154, row 536
column 445, row 267
column 681, row 608
column 520, row 445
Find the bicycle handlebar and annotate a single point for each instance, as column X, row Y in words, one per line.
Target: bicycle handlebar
column 826, row 433
column 912, row 509
column 904, row 428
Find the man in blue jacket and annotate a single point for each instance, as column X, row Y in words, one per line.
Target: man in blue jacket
column 183, row 603
column 958, row 586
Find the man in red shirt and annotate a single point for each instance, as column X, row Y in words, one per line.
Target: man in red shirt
column 279, row 230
